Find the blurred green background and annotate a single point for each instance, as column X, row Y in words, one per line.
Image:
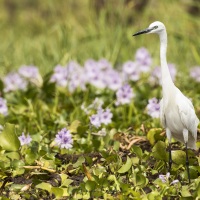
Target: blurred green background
column 46, row 33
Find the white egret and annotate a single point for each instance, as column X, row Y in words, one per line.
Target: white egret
column 177, row 113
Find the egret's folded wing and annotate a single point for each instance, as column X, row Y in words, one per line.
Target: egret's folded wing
column 187, row 114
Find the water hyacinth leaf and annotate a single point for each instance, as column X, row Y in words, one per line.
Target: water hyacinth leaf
column 154, row 135
column 79, row 162
column 126, row 166
column 44, row 186
column 13, row 155
column 67, row 182
column 185, row 191
column 154, row 195
column 58, row 192
column 16, row 187
column 8, row 138
column 137, row 150
column 178, row 157
column 74, row 126
column 30, row 156
column 135, row 160
column 159, row 151
column 141, row 180
column 90, row 185
column 16, row 164
column 193, row 173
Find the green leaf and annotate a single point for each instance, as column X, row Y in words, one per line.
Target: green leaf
column 137, row 150
column 141, row 180
column 13, row 155
column 185, row 191
column 58, row 192
column 8, row 138
column 74, row 126
column 126, row 166
column 159, row 151
column 64, row 181
column 90, row 185
column 179, row 157
column 79, row 162
column 44, row 186
column 17, row 164
column 30, row 156
column 154, row 135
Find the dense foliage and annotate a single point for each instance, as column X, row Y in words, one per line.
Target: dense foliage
column 79, row 105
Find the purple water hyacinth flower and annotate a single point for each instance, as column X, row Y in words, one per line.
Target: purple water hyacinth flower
column 99, row 80
column 95, row 120
column 132, row 70
column 105, row 116
column 156, row 73
column 28, row 72
column 77, row 78
column 25, row 140
column 104, row 64
column 64, row 139
column 95, row 74
column 102, row 117
column 153, row 108
column 124, row 95
column 143, row 59
column 195, row 73
column 60, row 76
column 3, row 107
column 113, row 79
column 31, row 73
column 13, row 82
column 165, row 179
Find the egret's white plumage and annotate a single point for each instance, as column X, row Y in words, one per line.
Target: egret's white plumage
column 177, row 113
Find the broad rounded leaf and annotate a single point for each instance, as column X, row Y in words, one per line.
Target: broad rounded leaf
column 74, row 126
column 137, row 150
column 154, row 135
column 79, row 162
column 159, row 151
column 141, row 179
column 44, row 186
column 58, row 192
column 179, row 157
column 8, row 138
column 30, row 156
column 126, row 166
column 90, row 185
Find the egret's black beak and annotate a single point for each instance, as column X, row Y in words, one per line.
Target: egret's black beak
column 143, row 31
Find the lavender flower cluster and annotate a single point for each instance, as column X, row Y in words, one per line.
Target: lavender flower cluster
column 3, row 106
column 101, row 117
column 101, row 74
column 19, row 80
column 153, row 108
column 64, row 139
column 25, row 140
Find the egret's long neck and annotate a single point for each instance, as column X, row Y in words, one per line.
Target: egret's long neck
column 166, row 77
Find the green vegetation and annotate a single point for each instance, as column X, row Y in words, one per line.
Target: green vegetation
column 122, row 159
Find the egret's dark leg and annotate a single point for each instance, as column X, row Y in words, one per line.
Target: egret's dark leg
column 187, row 163
column 185, row 136
column 168, row 132
column 170, row 157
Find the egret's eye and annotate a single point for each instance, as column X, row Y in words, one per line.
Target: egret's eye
column 155, row 27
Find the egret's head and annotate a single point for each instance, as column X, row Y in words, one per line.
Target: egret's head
column 155, row 27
